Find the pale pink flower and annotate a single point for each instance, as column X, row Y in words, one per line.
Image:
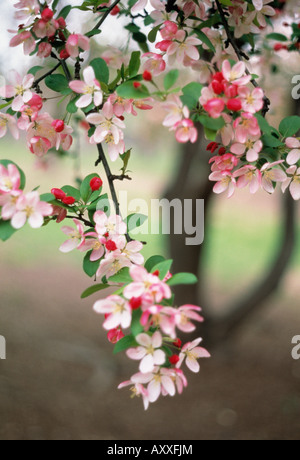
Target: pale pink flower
column 94, row 243
column 148, row 352
column 214, row 107
column 137, row 390
column 25, row 38
column 176, row 111
column 185, row 131
column 185, row 315
column 293, row 181
column 263, row 9
column 29, row 207
column 118, row 311
column 147, row 286
column 44, row 50
column 252, row 102
column 112, row 225
column 41, row 135
column 120, row 105
column 28, row 9
column 191, row 353
column 10, row 178
column 246, row 125
column 203, row 69
column 114, row 58
column 294, row 155
column 252, row 146
column 270, row 174
column 39, row 146
column 142, row 104
column 225, row 182
column 44, row 29
column 131, row 250
column 183, row 47
column 160, row 382
column 224, row 162
column 227, row 133
column 90, row 88
column 162, row 317
column 8, row 122
column 236, row 74
column 159, row 14
column 139, row 6
column 155, row 63
column 76, row 237
column 8, row 201
column 248, row 175
column 77, row 42
column 112, row 264
column 169, row 31
column 19, row 90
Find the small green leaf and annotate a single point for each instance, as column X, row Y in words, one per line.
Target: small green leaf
column 135, row 220
column 71, row 107
column 125, row 343
column 64, row 13
column 271, row 141
column 85, row 188
column 152, row 262
column 153, row 34
column 212, row 123
column 289, row 126
column 170, row 79
column 128, row 91
column 277, row 37
column 182, row 278
column 135, row 64
column 6, row 230
column 210, row 135
column 93, row 289
column 47, row 197
column 71, row 191
column 122, row 277
column 34, row 70
column 204, row 38
column 90, row 268
column 101, row 70
column 191, row 95
column 58, row 83
column 163, row 268
column 136, row 327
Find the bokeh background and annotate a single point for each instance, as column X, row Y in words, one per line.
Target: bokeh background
column 60, row 378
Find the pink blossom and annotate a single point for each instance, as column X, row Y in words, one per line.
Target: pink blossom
column 120, row 105
column 139, row 6
column 146, row 285
column 118, row 311
column 246, row 125
column 44, row 28
column 19, row 90
column 253, row 146
column 8, row 122
column 90, row 89
column 76, row 237
column 176, row 111
column 159, row 14
column 148, row 352
column 44, row 50
column 225, row 182
column 183, row 47
column 75, row 43
column 112, row 264
column 224, row 162
column 112, row 225
column 94, row 243
column 137, row 390
column 142, row 104
column 10, row 178
column 236, row 74
column 8, row 201
column 252, row 102
column 169, row 31
column 162, row 317
column 131, row 250
column 185, row 131
column 185, row 315
column 214, row 107
column 294, row 155
column 191, row 353
column 293, row 182
column 263, row 9
column 25, row 38
column 270, row 174
column 39, row 146
column 29, row 207
column 155, row 63
column 28, row 9
column 160, row 381
column 248, row 175
column 41, row 135
column 227, row 133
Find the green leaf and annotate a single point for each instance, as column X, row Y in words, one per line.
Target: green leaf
column 122, row 277
column 103, row 204
column 136, row 327
column 289, row 126
column 191, row 95
column 204, row 38
column 135, row 64
column 34, row 70
column 93, row 32
column 170, row 79
column 128, row 91
column 277, row 37
column 93, row 289
column 152, row 262
column 126, row 157
column 271, row 141
column 54, row 5
column 153, row 34
column 163, row 268
column 85, row 188
column 265, row 127
column 210, row 135
column 182, row 278
column 64, row 13
column 71, row 107
column 71, row 191
column 125, row 343
column 6, row 230
column 101, row 70
column 135, row 220
column 212, row 123
column 47, row 197
column 5, row 163
column 90, row 268
column 58, row 83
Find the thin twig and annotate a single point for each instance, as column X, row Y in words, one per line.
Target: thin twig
column 86, row 222
column 38, row 80
column 105, row 15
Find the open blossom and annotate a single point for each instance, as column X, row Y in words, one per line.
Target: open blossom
column 25, row 38
column 225, row 182
column 214, row 107
column 118, row 312
column 19, row 90
column 8, row 202
column 148, row 352
column 294, row 155
column 137, row 390
column 183, row 47
column 224, row 162
column 248, row 175
column 270, row 174
column 112, row 264
column 112, row 225
column 263, row 9
column 44, row 50
column 27, row 10
column 185, row 131
column 160, row 14
column 246, row 125
column 252, row 101
column 75, row 43
column 147, row 286
column 76, row 237
column 120, row 105
column 8, row 122
column 29, row 207
column 10, row 178
column 44, row 28
column 160, row 382
column 155, row 63
column 131, row 249
column 191, row 353
column 185, row 315
column 253, row 146
column 94, row 243
column 292, row 182
column 236, row 74
column 176, row 111
column 90, row 88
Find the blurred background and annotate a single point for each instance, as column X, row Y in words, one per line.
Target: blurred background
column 60, row 378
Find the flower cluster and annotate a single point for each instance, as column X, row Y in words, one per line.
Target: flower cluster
column 143, row 304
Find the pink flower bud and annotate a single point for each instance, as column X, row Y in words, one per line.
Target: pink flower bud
column 58, row 125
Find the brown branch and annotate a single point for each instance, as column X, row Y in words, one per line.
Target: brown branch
column 38, row 80
column 105, row 15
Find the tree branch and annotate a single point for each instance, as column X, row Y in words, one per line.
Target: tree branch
column 38, row 80
column 105, row 15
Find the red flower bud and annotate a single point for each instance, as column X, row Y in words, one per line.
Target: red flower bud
column 212, row 146
column 174, row 359
column 217, row 87
column 218, row 76
column 64, row 54
column 114, row 335
column 116, row 10
column 222, row 151
column 96, row 183
column 58, row 193
column 111, row 245
column 234, row 104
column 278, row 47
column 47, row 14
column 156, row 273
column 135, row 303
column 147, row 76
column 137, row 84
column 61, row 22
column 69, row 200
column 58, row 125
column 177, row 343
column 62, row 36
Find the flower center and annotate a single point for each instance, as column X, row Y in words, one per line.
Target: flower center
column 29, row 211
column 19, row 90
